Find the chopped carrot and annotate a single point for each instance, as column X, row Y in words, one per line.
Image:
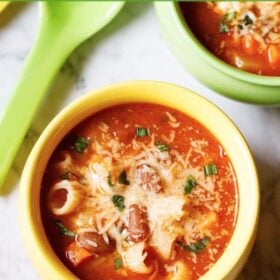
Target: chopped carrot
column 250, row 45
column 76, row 254
column 274, row 55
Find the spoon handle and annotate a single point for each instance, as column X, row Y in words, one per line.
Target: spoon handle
column 44, row 61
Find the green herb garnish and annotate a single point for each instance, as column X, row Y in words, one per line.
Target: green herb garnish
column 118, row 263
column 110, row 183
column 81, row 144
column 247, row 20
column 63, row 230
column 228, row 17
column 162, row 147
column 210, row 169
column 123, row 178
column 190, row 184
column 141, row 132
column 118, row 201
column 196, row 247
column 223, row 27
column 224, row 23
column 240, row 26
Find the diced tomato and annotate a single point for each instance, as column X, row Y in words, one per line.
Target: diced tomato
column 274, row 55
column 76, row 254
column 250, row 45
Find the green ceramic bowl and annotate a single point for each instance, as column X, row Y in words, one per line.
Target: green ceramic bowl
column 210, row 70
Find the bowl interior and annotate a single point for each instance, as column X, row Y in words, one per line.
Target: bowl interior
column 150, row 92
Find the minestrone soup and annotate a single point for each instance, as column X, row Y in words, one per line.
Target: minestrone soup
column 139, row 191
column 243, row 34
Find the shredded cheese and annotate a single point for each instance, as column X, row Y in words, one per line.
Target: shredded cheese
column 166, row 204
column 259, row 19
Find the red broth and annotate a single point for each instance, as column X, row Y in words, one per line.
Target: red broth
column 163, row 161
column 245, row 35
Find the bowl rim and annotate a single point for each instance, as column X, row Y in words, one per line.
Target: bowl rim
column 212, row 59
column 42, row 255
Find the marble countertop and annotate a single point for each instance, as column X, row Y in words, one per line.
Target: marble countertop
column 130, row 48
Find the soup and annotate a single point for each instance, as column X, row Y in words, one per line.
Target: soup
column 243, row 34
column 139, row 191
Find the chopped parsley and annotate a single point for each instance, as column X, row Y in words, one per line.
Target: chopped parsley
column 196, row 247
column 223, row 27
column 118, row 263
column 229, row 16
column 240, row 26
column 118, row 201
column 228, row 19
column 81, row 144
column 247, row 20
column 110, row 183
column 162, row 147
column 199, row 246
column 210, row 169
column 190, row 184
column 123, row 178
column 63, row 230
column 225, row 22
column 141, row 131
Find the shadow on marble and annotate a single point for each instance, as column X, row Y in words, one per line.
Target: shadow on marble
column 69, row 78
column 10, row 13
column 264, row 261
column 273, row 110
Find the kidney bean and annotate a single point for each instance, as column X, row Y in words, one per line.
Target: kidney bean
column 148, row 177
column 137, row 226
column 92, row 242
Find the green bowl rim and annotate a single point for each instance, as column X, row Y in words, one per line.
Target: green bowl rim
column 213, row 60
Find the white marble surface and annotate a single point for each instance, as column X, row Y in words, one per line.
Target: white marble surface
column 130, row 48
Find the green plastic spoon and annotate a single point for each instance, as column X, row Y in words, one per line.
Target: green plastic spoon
column 64, row 25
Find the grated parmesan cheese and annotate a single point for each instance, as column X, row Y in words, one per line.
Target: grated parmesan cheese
column 167, row 209
column 265, row 17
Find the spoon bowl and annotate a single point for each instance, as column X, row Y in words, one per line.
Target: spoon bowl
column 79, row 20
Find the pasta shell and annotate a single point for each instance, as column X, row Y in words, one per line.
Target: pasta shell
column 73, row 198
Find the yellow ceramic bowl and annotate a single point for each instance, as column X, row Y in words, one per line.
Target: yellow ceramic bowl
column 235, row 255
